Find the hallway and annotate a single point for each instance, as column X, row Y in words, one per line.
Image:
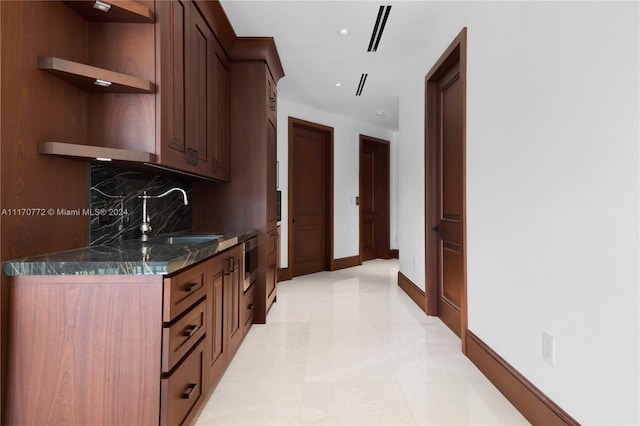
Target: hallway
column 350, row 348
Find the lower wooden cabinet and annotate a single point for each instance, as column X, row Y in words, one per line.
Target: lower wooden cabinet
column 224, row 294
column 120, row 349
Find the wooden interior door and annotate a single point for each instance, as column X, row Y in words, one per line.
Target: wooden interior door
column 309, row 194
column 374, row 198
column 445, row 151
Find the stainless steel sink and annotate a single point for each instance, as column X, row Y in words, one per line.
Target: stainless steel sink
column 187, row 239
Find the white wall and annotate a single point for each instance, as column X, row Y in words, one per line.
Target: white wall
column 346, row 174
column 552, row 195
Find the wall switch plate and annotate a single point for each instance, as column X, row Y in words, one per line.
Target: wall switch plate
column 549, row 348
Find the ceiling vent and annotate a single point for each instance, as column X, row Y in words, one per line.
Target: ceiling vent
column 363, row 79
column 379, row 28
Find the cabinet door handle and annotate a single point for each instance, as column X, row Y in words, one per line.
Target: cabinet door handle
column 215, row 166
column 250, row 306
column 192, row 156
column 189, row 390
column 190, row 330
column 189, row 286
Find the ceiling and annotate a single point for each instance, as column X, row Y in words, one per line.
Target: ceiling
column 315, row 57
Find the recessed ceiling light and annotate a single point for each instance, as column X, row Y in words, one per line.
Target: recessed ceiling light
column 380, row 113
column 344, row 32
column 338, row 84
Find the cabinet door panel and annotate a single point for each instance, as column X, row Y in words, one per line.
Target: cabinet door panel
column 201, row 89
column 200, row 93
column 222, row 152
column 234, row 266
column 272, row 212
column 174, row 22
column 216, row 334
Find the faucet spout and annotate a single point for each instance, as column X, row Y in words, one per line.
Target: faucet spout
column 184, row 194
column 145, row 227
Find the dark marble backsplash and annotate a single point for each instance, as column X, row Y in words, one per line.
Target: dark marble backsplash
column 117, row 210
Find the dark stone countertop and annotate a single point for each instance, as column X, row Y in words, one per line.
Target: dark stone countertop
column 132, row 257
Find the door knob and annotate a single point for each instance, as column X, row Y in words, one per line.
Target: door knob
column 436, row 229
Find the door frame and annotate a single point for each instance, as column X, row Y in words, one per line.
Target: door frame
column 328, row 131
column 457, row 50
column 387, row 249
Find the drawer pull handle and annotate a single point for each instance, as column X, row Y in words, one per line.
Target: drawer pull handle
column 190, row 330
column 250, row 306
column 190, row 286
column 189, row 390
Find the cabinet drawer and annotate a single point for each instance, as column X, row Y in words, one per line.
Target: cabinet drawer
column 178, row 338
column 181, row 393
column 183, row 290
column 248, row 301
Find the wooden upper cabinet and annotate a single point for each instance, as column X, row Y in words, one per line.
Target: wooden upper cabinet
column 194, row 98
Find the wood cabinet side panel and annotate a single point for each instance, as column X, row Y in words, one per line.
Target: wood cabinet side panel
column 36, row 106
column 84, row 350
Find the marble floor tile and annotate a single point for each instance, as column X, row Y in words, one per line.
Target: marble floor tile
column 351, row 348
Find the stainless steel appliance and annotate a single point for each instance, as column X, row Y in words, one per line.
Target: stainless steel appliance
column 250, row 262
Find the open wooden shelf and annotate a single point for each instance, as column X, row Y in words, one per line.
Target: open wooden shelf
column 94, row 153
column 120, row 11
column 85, row 76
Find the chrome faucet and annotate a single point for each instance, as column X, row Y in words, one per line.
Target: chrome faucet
column 145, row 227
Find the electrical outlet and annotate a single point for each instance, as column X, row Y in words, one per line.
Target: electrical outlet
column 549, row 348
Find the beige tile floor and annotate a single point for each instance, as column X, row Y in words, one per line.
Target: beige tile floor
column 350, row 348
